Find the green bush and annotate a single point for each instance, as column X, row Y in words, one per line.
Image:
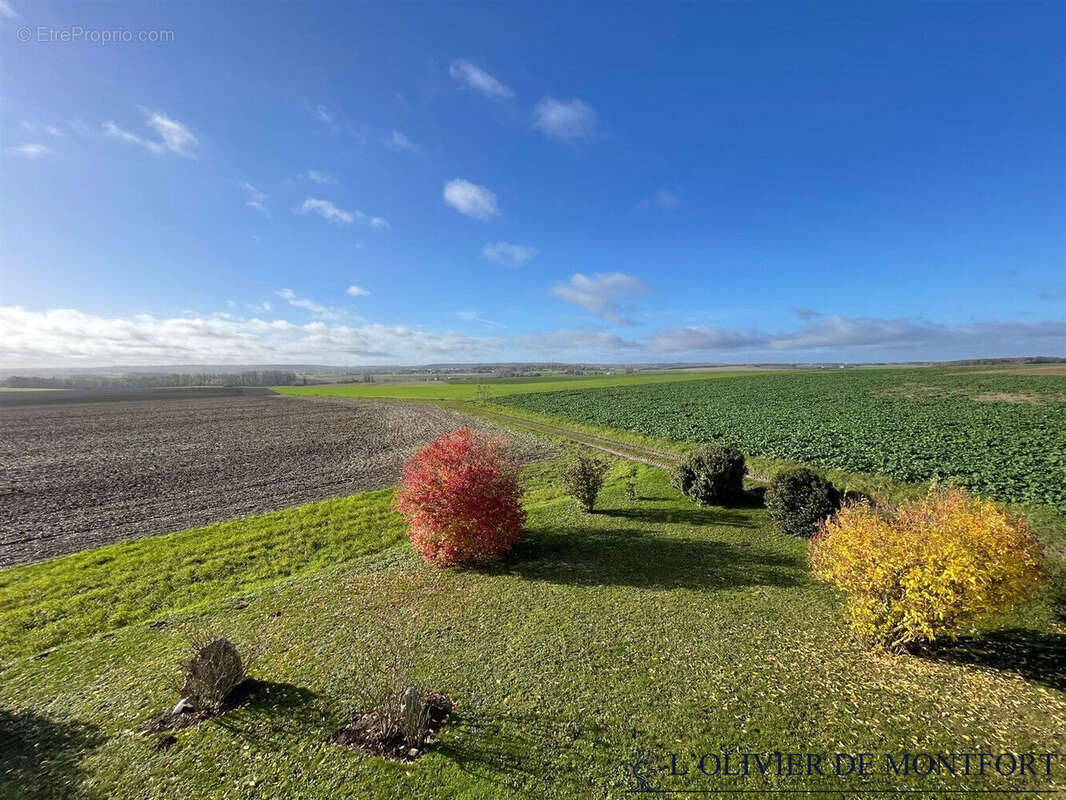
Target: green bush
column 712, row 475
column 583, row 475
column 799, row 499
column 631, row 483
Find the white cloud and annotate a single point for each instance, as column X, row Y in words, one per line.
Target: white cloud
column 315, row 309
column 339, row 216
column 400, row 141
column 357, row 291
column 328, row 211
column 565, row 119
column 319, row 177
column 174, row 137
column 547, row 345
column 701, row 338
column 323, row 113
column 838, row 337
column 254, row 198
column 474, row 316
column 33, row 127
column 601, row 294
column 661, row 198
column 509, row 254
column 115, row 132
column 65, row 337
column 30, row 150
column 6, row 11
column 838, row 331
column 476, row 78
column 468, row 198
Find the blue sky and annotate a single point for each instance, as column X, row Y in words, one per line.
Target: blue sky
column 422, row 182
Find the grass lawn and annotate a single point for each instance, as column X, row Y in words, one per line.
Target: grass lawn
column 99, row 590
column 651, row 625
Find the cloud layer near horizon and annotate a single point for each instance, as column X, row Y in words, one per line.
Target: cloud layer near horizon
column 65, row 337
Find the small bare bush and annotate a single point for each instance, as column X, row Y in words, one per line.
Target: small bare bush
column 213, row 671
column 399, row 718
column 402, row 714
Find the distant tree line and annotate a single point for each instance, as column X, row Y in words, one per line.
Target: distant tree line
column 156, row 380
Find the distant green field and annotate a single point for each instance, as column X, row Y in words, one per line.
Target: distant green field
column 471, row 389
column 1000, row 433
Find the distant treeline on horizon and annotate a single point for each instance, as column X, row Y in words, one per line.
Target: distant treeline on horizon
column 156, row 380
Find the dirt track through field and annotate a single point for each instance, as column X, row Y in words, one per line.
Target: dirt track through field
column 75, row 476
column 633, row 452
column 628, row 450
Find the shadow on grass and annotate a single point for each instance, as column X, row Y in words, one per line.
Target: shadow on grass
column 693, row 516
column 753, row 497
column 631, row 557
column 276, row 711
column 1058, row 601
column 519, row 751
column 1035, row 656
column 41, row 757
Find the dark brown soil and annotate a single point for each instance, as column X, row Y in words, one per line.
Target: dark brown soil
column 75, row 476
column 32, row 397
column 366, row 735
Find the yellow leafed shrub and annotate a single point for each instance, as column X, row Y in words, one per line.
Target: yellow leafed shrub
column 932, row 567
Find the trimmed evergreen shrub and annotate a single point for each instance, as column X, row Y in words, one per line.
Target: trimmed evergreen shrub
column 799, row 499
column 711, row 475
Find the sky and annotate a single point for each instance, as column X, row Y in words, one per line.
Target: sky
column 406, row 183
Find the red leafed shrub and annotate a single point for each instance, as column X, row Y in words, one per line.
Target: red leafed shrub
column 461, row 498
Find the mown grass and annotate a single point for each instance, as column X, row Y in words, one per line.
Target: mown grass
column 96, row 591
column 652, row 624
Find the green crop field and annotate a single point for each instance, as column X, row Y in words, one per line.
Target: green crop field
column 502, row 387
column 999, row 433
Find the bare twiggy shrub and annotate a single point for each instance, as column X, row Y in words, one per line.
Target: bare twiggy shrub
column 399, row 718
column 400, row 705
column 212, row 672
